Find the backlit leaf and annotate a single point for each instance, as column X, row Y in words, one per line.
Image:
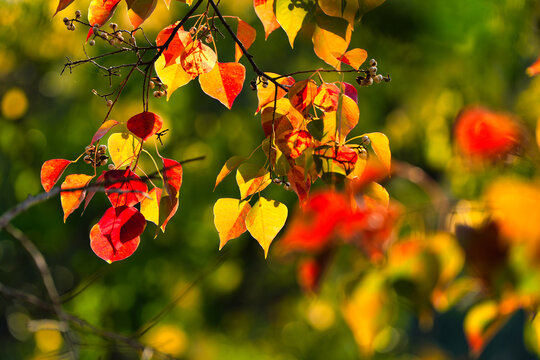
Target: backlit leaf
column 104, row 129
column 224, row 82
column 99, row 12
column 72, row 199
column 51, row 170
column 122, row 149
column 302, row 93
column 62, row 4
column 168, row 205
column 118, row 235
column 246, row 34
column 331, row 38
column 231, row 164
column 381, row 147
column 350, row 114
column 264, row 221
column 174, row 76
column 172, row 173
column 290, row 15
column 265, row 11
column 229, row 219
column 354, row 57
column 145, row 124
column 251, row 179
column 150, row 206
column 177, row 45
column 140, row 10
column 267, row 94
column 198, row 59
column 124, row 187
column 300, row 182
column 338, row 8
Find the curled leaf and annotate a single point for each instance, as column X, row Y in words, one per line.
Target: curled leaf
column 104, row 129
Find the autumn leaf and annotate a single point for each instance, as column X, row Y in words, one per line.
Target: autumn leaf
column 62, row 4
column 348, row 120
column 534, row 69
column 99, row 12
column 327, row 98
column 300, row 182
column 145, row 124
column 150, row 205
column 331, row 38
column 103, row 130
column 290, row 16
column 140, row 10
column 172, row 174
column 51, row 170
column 264, row 221
column 354, row 58
column 71, row 199
column 198, row 59
column 265, row 11
column 174, row 76
column 124, row 187
column 168, row 205
column 116, row 235
column 345, row 9
column 267, row 94
column 301, row 94
column 229, row 218
column 480, row 325
column 177, row 45
column 348, row 89
column 230, row 165
column 246, row 34
column 224, row 82
column 122, row 147
column 251, row 179
column 381, row 147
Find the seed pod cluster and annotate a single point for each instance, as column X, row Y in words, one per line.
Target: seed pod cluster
column 370, row 75
column 94, row 159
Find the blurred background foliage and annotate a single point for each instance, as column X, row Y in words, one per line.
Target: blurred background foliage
column 442, row 56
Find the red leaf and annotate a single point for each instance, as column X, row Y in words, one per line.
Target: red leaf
column 327, row 97
column 104, row 129
column 167, row 208
column 99, row 12
column 300, row 182
column 224, row 82
column 172, row 172
column 51, row 172
column 116, row 235
column 302, row 93
column 92, row 191
column 62, row 5
column 176, row 46
column 71, row 199
column 145, row 124
column 348, row 89
column 124, row 187
column 246, row 34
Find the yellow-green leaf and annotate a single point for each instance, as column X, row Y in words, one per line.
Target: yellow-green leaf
column 264, row 221
column 229, row 166
column 251, row 179
column 230, row 219
column 290, row 16
column 122, row 148
column 174, row 76
column 381, row 147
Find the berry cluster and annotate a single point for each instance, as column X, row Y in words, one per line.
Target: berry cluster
column 371, row 75
column 99, row 159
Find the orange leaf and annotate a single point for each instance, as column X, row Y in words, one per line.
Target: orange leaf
column 246, row 34
column 99, row 12
column 177, row 45
column 144, row 124
column 265, row 11
column 302, row 93
column 62, row 5
column 198, row 59
column 349, row 117
column 335, row 8
column 71, row 199
column 229, row 219
column 229, row 166
column 224, row 82
column 168, row 205
column 267, row 94
column 140, row 10
column 251, row 179
column 51, row 172
column 354, row 58
column 300, row 183
column 331, row 39
column 104, row 129
column 172, row 173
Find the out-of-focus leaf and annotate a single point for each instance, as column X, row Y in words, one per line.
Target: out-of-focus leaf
column 251, row 179
column 145, row 124
column 177, row 45
column 246, row 34
column 62, row 4
column 381, row 147
column 174, row 76
column 265, row 220
column 376, row 192
column 354, row 58
column 224, row 82
column 124, row 187
column 71, row 199
column 538, row 133
column 290, row 15
column 140, row 10
column 122, row 148
column 331, row 39
column 345, row 9
column 265, row 11
column 231, row 164
column 104, row 129
column 51, row 170
column 230, row 219
column 198, row 59
column 150, row 206
column 481, row 323
column 534, row 69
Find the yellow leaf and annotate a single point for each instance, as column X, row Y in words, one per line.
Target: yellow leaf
column 350, row 113
column 150, row 206
column 481, row 323
column 122, row 148
column 229, row 166
column 354, row 57
column 381, row 146
column 264, row 221
column 174, row 76
column 290, row 16
column 377, row 192
column 229, row 219
column 335, row 8
column 331, row 39
column 251, row 179
column 265, row 11
column 72, row 199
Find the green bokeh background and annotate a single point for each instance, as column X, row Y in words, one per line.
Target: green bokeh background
column 442, row 55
